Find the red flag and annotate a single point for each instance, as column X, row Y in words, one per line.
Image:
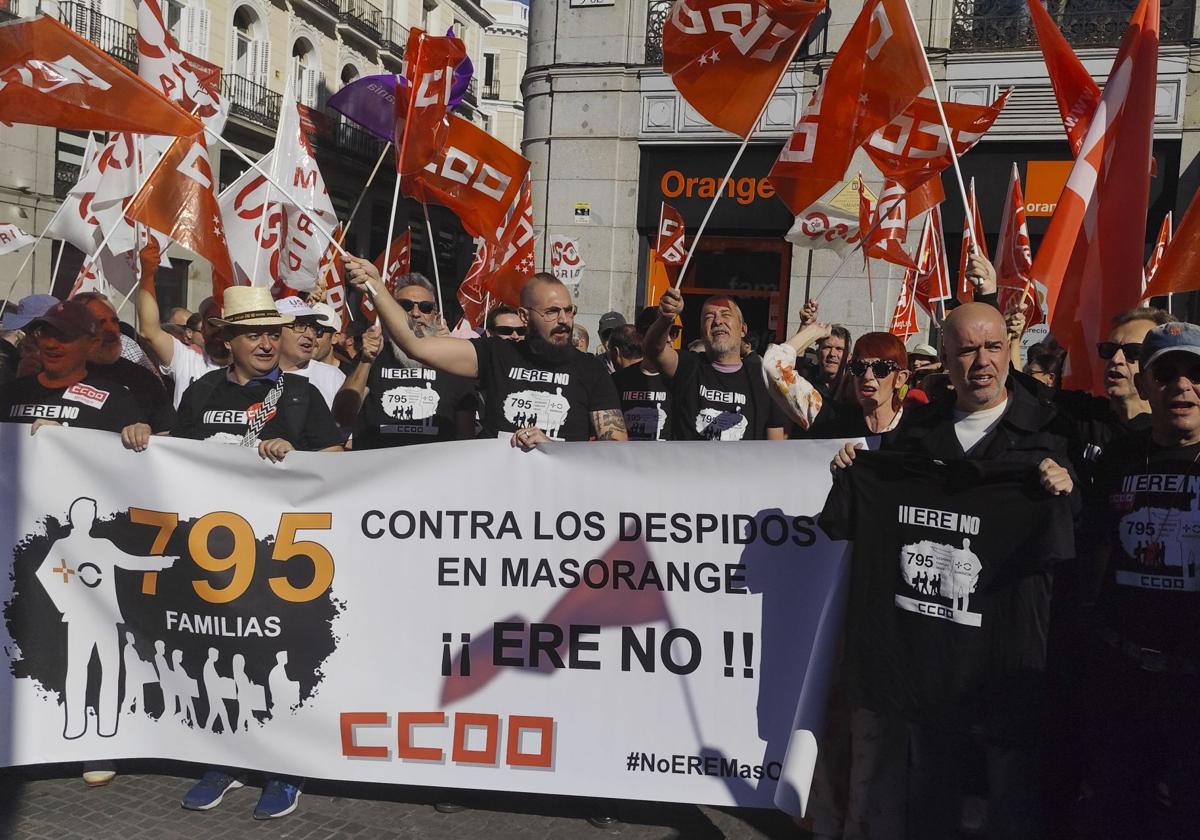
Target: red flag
column 471, row 295
column 670, row 245
column 912, row 148
column 878, row 71
column 886, row 242
column 177, row 200
column 1179, row 269
column 475, row 175
column 51, row 76
column 1077, row 93
column 933, row 278
column 1014, row 260
column 333, row 279
column 512, row 260
column 192, row 82
column 421, row 118
column 400, row 260
column 972, row 236
column 1160, row 247
column 1091, row 257
column 904, row 317
column 726, row 59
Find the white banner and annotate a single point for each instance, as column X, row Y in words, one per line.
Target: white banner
column 565, row 261
column 640, row 621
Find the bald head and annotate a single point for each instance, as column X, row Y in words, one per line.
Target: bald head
column 975, row 351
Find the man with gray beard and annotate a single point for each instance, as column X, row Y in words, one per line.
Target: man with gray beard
column 401, row 401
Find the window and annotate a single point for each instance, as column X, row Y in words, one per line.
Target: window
column 306, row 76
column 491, row 69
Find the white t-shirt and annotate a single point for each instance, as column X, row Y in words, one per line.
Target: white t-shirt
column 186, row 367
column 327, row 379
column 974, row 427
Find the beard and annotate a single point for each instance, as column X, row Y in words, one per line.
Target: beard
column 541, row 348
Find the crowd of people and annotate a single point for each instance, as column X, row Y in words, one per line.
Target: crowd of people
column 1114, row 743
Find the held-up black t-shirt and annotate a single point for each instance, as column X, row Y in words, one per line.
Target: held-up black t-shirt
column 1145, row 513
column 94, row 403
column 522, row 389
column 645, row 402
column 407, row 405
column 218, row 409
column 950, row 588
column 145, row 387
column 713, row 405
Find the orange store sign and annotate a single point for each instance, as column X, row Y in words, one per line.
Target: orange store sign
column 1044, row 182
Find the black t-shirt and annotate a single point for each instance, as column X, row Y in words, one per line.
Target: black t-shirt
column 713, row 405
column 407, row 405
column 1144, row 514
column 950, row 587
column 522, row 389
column 94, row 403
column 645, row 402
column 1094, row 425
column 145, row 387
column 218, row 409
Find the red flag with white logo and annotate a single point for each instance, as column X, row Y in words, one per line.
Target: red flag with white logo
column 972, row 237
column 192, row 82
column 1179, row 269
column 471, row 295
column 1014, row 259
column 400, row 261
column 512, row 262
column 886, row 241
column 1090, row 259
column 421, row 129
column 1156, row 255
column 904, row 316
column 933, row 269
column 876, row 74
column 670, row 245
column 726, row 59
column 1074, row 88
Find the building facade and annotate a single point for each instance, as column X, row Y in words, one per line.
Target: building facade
column 505, row 45
column 320, row 45
column 610, row 138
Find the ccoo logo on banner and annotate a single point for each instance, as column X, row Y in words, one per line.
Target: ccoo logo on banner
column 565, row 262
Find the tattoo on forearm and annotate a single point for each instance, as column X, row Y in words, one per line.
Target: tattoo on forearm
column 609, row 425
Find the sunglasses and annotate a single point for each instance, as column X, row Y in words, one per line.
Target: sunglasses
column 509, row 331
column 880, row 367
column 425, row 306
column 1165, row 374
column 1108, row 349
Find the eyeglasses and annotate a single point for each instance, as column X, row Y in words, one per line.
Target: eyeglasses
column 554, row 312
column 425, row 306
column 509, row 331
column 1108, row 349
column 1165, row 374
column 296, row 326
column 879, row 367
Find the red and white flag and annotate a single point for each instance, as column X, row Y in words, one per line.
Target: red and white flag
column 886, row 235
column 726, row 59
column 251, row 237
column 876, row 74
column 192, row 82
column 1156, row 255
column 12, row 238
column 399, row 255
column 1179, row 269
column 421, row 128
column 933, row 269
column 512, row 261
column 972, row 237
column 904, row 317
column 670, row 244
column 1090, row 259
column 1074, row 88
column 471, row 295
column 1014, row 260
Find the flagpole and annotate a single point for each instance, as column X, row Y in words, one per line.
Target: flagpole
column 370, row 180
column 28, row 257
column 387, row 249
column 879, row 217
column 871, row 296
column 888, row 296
column 437, row 276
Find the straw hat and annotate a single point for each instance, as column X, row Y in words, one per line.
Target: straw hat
column 250, row 306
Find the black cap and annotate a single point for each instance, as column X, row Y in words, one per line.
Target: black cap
column 70, row 318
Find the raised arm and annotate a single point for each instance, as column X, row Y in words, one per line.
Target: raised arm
column 656, row 344
column 149, row 319
column 349, row 399
column 449, row 355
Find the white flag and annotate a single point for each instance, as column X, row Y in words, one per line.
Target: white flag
column 12, row 238
column 249, row 239
column 565, row 261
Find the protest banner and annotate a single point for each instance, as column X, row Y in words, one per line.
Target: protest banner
column 382, row 617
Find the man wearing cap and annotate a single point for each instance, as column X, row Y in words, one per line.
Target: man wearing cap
column 1140, row 556
column 538, row 389
column 11, row 335
column 405, row 402
column 64, row 392
column 252, row 402
column 923, row 357
column 298, row 344
column 329, row 329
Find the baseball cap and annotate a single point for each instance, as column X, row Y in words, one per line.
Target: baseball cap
column 923, row 350
column 292, row 305
column 28, row 308
column 326, row 315
column 610, row 321
column 70, row 318
column 1175, row 337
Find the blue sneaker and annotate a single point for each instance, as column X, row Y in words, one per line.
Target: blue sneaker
column 279, row 798
column 209, row 791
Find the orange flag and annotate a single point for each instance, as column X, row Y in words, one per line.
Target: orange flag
column 972, row 235
column 1090, row 259
column 1014, row 259
column 475, row 175
column 1160, row 248
column 177, row 200
column 51, row 76
column 876, row 74
column 1074, row 88
column 670, row 246
column 727, row 59
column 421, row 118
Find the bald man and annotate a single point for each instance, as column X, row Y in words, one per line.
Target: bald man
column 536, row 390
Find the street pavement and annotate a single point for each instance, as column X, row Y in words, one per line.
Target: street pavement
column 52, row 803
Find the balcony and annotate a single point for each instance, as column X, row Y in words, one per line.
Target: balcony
column 491, row 90
column 328, row 7
column 361, row 17
column 109, row 34
column 348, row 138
column 983, row 25
column 395, row 39
column 251, row 101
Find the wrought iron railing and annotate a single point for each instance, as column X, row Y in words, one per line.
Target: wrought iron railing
column 395, row 37
column 66, row 175
column 251, row 101
column 363, row 18
column 330, row 6
column 491, row 90
column 1005, row 24
column 353, row 140
column 109, row 34
column 658, row 10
